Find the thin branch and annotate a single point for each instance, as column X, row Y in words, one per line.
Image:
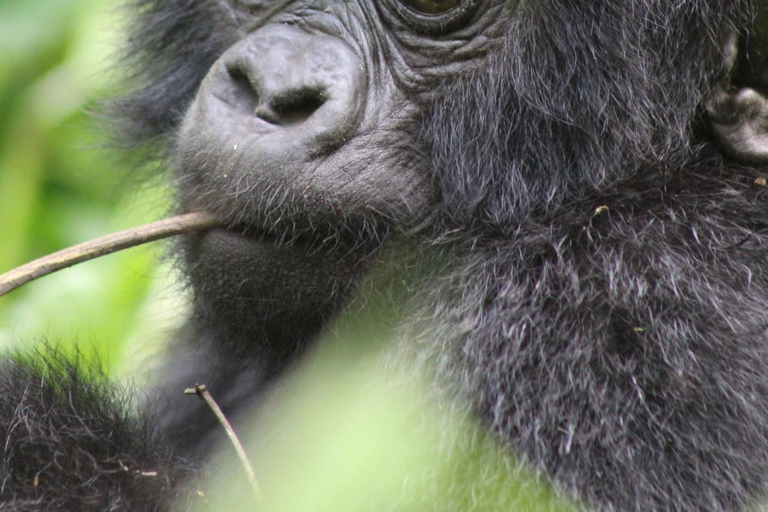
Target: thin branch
column 105, row 245
column 202, row 392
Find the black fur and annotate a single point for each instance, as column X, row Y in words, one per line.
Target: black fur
column 72, row 442
column 571, row 107
column 598, row 290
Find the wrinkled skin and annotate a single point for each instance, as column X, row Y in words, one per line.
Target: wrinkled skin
column 583, row 179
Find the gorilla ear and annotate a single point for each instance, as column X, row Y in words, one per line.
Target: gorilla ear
column 739, row 122
column 738, row 109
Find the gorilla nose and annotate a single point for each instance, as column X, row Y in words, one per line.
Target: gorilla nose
column 311, row 85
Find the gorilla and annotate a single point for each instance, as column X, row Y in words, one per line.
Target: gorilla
column 572, row 195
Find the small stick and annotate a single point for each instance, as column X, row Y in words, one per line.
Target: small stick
column 202, row 392
column 105, row 245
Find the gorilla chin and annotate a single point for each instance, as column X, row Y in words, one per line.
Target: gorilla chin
column 228, row 268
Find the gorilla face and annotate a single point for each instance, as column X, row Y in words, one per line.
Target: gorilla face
column 306, row 136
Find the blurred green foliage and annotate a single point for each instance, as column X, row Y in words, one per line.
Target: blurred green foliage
column 347, row 435
column 60, row 185
column 359, row 428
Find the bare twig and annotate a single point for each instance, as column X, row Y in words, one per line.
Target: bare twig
column 105, row 245
column 202, row 392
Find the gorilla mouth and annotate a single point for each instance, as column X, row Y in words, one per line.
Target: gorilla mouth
column 262, row 235
column 286, row 238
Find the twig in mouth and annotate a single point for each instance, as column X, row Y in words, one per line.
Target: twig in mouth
column 105, row 245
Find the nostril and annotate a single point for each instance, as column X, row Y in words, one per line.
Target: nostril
column 292, row 107
column 267, row 100
column 242, row 90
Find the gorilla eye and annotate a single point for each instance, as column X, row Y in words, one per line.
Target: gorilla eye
column 433, row 17
column 432, row 6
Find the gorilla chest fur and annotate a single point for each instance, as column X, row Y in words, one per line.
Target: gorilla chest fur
column 600, row 342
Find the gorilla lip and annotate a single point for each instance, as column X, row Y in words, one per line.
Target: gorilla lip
column 108, row 244
column 286, row 238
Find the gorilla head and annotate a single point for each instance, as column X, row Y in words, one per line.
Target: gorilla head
column 580, row 179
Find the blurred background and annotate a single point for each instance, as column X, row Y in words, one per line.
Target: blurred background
column 60, row 184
